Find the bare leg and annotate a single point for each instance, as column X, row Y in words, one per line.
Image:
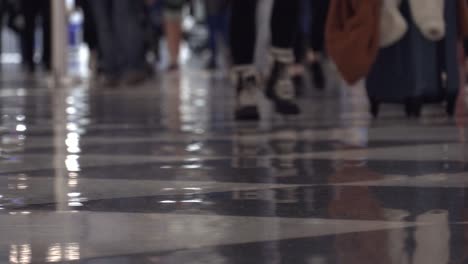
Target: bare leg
column 174, row 37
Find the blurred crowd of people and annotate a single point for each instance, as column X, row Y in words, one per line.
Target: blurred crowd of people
column 124, row 36
column 122, row 33
column 24, row 18
column 124, row 39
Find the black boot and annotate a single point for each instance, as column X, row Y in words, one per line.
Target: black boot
column 280, row 86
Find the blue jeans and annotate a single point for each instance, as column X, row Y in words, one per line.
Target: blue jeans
column 217, row 27
column 120, row 36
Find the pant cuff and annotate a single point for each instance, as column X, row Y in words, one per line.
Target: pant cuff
column 282, row 55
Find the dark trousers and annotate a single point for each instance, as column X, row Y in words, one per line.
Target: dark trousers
column 243, row 30
column 217, row 27
column 89, row 25
column 311, row 28
column 2, row 12
column 120, row 35
column 33, row 10
column 319, row 12
column 284, row 23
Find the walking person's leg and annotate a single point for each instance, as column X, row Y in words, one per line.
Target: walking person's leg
column 45, row 6
column 130, row 34
column 280, row 87
column 30, row 10
column 300, row 48
column 319, row 11
column 217, row 19
column 2, row 12
column 242, row 40
column 297, row 69
column 90, row 34
column 284, row 24
column 212, row 21
column 211, row 10
column 107, row 41
column 173, row 30
column 243, row 32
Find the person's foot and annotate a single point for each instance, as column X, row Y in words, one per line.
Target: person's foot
column 107, row 81
column 297, row 72
column 47, row 66
column 93, row 63
column 173, row 68
column 281, row 91
column 299, row 84
column 29, row 68
column 247, row 87
column 135, row 78
column 318, row 76
column 211, row 65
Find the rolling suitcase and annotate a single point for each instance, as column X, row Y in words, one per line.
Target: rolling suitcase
column 411, row 71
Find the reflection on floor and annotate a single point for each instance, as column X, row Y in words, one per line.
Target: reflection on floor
column 162, row 174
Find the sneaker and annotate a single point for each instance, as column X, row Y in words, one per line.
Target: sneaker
column 280, row 89
column 247, row 87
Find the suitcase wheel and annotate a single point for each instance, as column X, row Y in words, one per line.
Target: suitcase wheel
column 413, row 107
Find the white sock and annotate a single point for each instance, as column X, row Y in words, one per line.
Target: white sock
column 393, row 25
column 283, row 55
column 429, row 17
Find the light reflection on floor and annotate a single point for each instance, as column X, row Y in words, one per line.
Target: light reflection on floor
column 163, row 174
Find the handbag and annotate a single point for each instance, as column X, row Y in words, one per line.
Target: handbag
column 352, row 36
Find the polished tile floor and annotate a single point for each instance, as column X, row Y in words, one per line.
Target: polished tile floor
column 162, row 174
